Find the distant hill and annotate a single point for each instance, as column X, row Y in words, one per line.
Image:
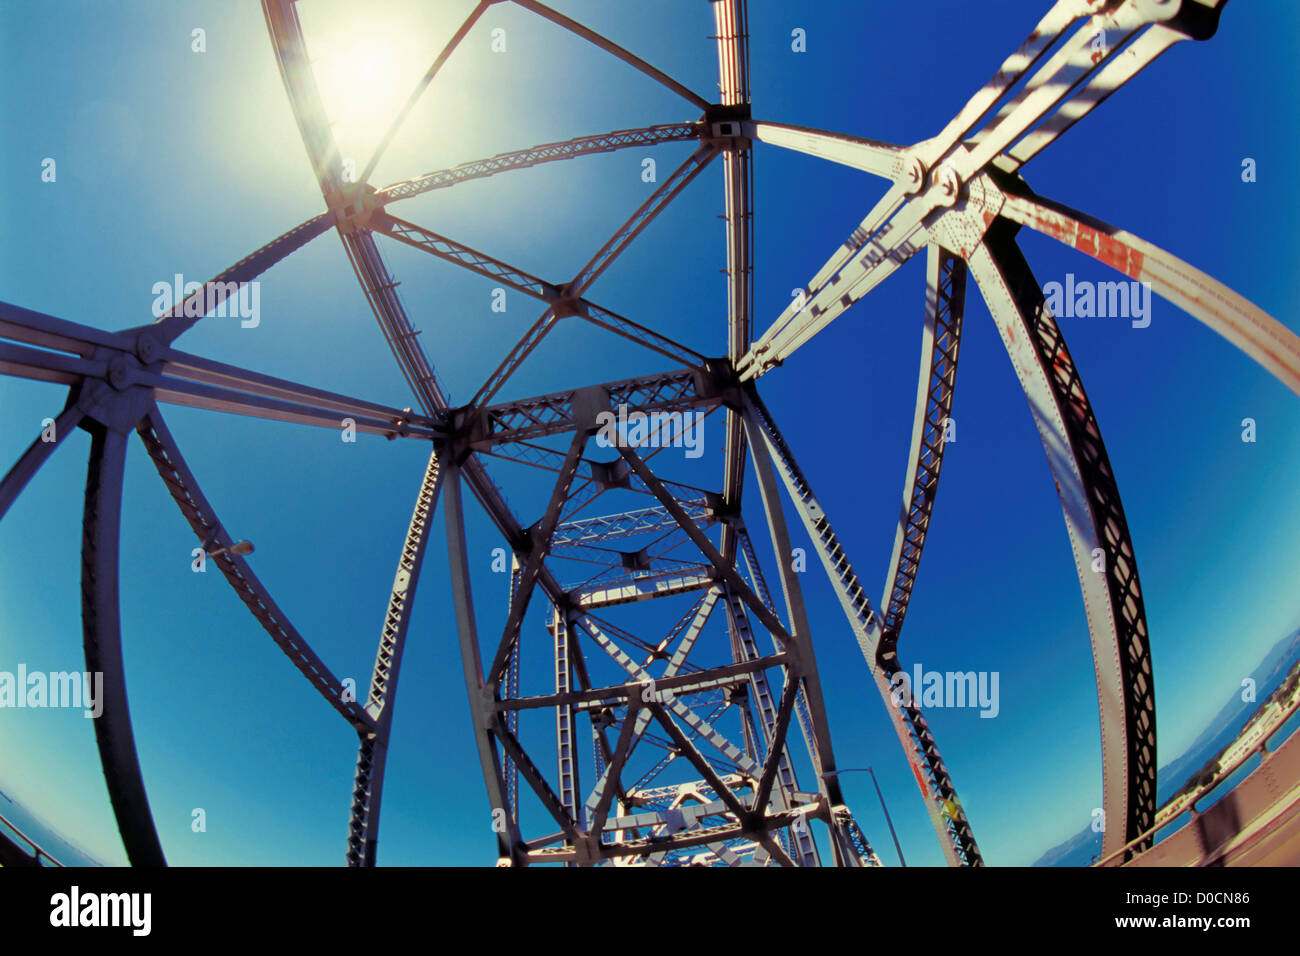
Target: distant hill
column 1082, row 848
column 1227, row 723
column 45, row 836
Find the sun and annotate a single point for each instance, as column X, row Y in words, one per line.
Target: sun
column 365, row 72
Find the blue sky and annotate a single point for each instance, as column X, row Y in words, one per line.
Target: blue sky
column 173, row 161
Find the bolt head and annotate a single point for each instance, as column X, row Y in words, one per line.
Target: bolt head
column 913, row 175
column 147, row 347
column 119, row 372
column 948, row 185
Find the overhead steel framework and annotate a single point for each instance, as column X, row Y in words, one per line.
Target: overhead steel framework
column 718, row 693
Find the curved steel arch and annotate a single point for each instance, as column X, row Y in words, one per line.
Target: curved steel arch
column 102, row 627
column 112, row 390
column 953, row 193
column 1095, row 520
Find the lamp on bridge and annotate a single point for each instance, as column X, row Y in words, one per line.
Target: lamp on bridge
column 239, row 547
column 836, row 773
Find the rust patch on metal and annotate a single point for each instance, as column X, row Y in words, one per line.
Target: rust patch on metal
column 1104, row 248
column 1109, row 250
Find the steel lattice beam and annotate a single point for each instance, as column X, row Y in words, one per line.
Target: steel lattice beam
column 940, row 344
column 1095, row 520
column 372, row 755
column 208, row 530
column 949, row 820
column 537, row 155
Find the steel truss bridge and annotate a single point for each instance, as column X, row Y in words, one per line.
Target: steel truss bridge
column 730, row 687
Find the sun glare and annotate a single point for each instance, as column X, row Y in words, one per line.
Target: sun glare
column 365, row 73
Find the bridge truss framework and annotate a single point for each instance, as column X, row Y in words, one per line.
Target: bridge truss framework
column 958, row 196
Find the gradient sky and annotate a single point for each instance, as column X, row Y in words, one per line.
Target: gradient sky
column 173, row 161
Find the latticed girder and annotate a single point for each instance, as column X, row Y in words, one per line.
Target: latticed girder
column 595, row 477
column 602, row 568
column 184, row 489
column 367, row 788
column 760, row 588
column 548, row 152
column 657, row 400
column 644, row 587
column 663, row 811
column 565, row 730
column 512, row 691
column 659, row 707
column 627, row 524
column 932, row 777
column 664, row 546
column 857, row 840
column 940, row 343
column 773, row 715
column 1095, row 521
